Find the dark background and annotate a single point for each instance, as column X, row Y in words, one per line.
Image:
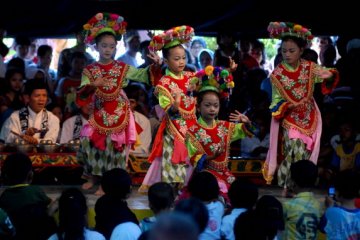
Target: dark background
column 58, row 18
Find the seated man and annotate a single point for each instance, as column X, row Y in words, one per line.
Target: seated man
column 143, row 126
column 32, row 123
column 72, row 126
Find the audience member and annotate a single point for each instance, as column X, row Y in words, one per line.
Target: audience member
column 204, row 186
column 132, row 44
column 26, row 204
column 161, row 198
column 196, row 209
column 73, row 217
column 341, row 219
column 243, row 196
column 265, row 222
column 111, row 209
column 174, row 226
column 302, row 213
column 72, row 126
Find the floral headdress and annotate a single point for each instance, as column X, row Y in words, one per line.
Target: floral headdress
column 104, row 22
column 214, row 79
column 174, row 36
column 281, row 29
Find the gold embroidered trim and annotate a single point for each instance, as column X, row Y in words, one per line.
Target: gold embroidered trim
column 108, row 96
column 286, row 124
column 196, row 143
column 217, row 166
column 185, row 114
column 265, row 173
column 112, row 129
column 288, row 97
column 172, row 130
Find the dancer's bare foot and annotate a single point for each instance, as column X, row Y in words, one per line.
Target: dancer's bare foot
column 99, row 191
column 87, row 185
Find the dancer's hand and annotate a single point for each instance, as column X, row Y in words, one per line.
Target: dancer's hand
column 177, row 101
column 155, row 58
column 99, row 82
column 233, row 65
column 239, row 117
column 323, row 73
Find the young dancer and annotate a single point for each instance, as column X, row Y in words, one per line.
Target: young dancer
column 208, row 140
column 296, row 122
column 110, row 132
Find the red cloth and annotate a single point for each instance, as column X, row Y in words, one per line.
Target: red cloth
column 158, row 142
column 357, row 202
column 139, row 129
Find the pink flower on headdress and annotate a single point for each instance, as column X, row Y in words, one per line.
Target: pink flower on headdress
column 89, row 39
column 113, row 16
column 116, row 27
column 99, row 16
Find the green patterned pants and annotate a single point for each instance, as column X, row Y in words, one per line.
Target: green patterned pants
column 96, row 161
column 171, row 173
column 293, row 151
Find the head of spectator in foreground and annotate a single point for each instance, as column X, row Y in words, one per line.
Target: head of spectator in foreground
column 161, row 197
column 304, row 173
column 204, row 186
column 174, row 226
column 116, row 183
column 347, row 185
column 243, row 194
column 196, row 209
column 17, row 169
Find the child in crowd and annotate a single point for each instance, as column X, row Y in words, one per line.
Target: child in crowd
column 26, row 204
column 203, row 185
column 111, row 209
column 264, row 222
column 110, row 132
column 66, row 88
column 302, row 213
column 257, row 146
column 195, row 208
column 174, row 226
column 341, row 219
column 208, row 140
column 142, row 122
column 347, row 151
column 243, row 195
column 73, row 217
column 161, row 198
